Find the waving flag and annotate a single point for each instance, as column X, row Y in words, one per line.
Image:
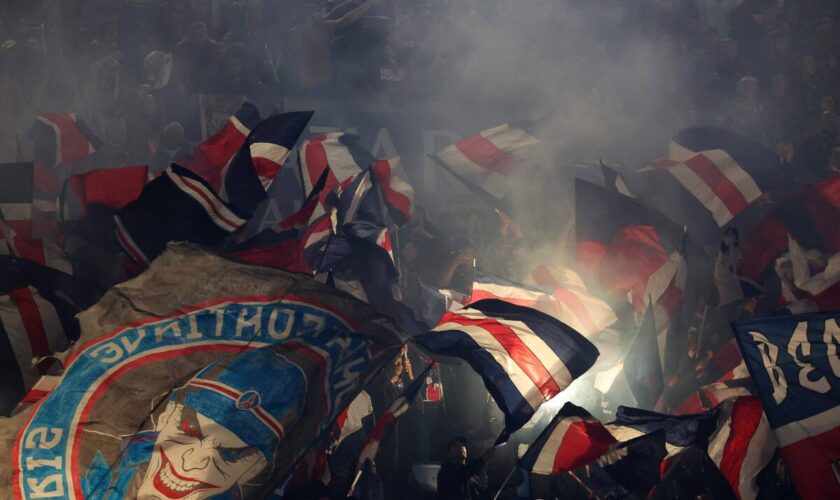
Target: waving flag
column 488, row 158
column 106, row 187
column 680, row 431
column 524, row 356
column 718, row 174
column 742, row 444
column 284, row 246
column 793, row 361
column 214, row 154
column 810, row 217
column 198, row 349
column 631, row 468
column 61, row 139
column 16, row 194
column 397, row 192
column 642, row 367
column 385, row 422
column 177, row 206
column 569, row 302
column 36, row 250
column 31, row 330
column 572, row 439
column 250, row 173
column 337, row 153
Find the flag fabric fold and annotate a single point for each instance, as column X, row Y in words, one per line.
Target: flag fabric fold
column 793, row 362
column 524, row 356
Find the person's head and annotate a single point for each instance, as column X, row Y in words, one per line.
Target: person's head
column 172, row 137
column 779, row 85
column 456, row 450
column 198, row 31
column 211, row 443
column 748, row 89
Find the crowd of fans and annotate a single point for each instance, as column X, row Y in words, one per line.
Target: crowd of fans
column 133, row 71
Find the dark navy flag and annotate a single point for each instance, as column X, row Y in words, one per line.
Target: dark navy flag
column 630, row 468
column 283, row 246
column 524, row 356
column 680, row 431
column 793, row 361
column 642, row 368
column 573, row 439
column 692, row 474
column 176, row 206
column 709, row 177
column 250, row 173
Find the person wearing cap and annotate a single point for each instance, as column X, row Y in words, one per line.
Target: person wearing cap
column 459, row 478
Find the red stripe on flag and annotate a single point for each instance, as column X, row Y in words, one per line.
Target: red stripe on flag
column 573, row 302
column 719, row 183
column 583, row 442
column 395, row 198
column 74, row 145
column 520, row 353
column 543, row 277
column 266, row 168
column 744, row 421
column 486, row 155
column 211, row 202
column 32, row 322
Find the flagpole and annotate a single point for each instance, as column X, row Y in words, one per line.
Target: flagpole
column 505, row 482
column 483, row 196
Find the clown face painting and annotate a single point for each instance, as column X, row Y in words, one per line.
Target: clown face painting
column 195, row 457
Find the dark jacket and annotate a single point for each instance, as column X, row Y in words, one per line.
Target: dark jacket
column 459, row 481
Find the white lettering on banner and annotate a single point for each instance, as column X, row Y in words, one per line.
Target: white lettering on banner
column 51, row 486
column 799, row 344
column 313, row 323
column 831, row 337
column 769, row 356
column 173, row 327
column 252, row 323
column 41, row 435
column 288, row 316
column 34, row 463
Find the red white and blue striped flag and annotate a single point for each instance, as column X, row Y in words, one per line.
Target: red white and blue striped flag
column 524, row 356
column 487, row 159
column 573, row 439
column 569, row 300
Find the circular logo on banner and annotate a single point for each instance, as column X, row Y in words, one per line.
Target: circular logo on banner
column 248, row 400
column 134, row 409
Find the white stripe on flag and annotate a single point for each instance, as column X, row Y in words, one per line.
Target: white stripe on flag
column 553, row 364
column 270, row 151
column 239, row 126
column 509, row 138
column 16, row 211
column 18, row 338
column 488, row 342
column 56, row 338
column 545, row 461
column 216, row 210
